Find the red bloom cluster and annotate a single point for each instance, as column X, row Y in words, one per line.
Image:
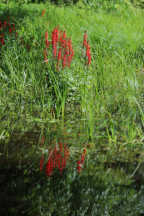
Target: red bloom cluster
column 87, row 46
column 85, row 40
column 5, row 27
column 43, row 12
column 55, row 34
column 57, row 159
column 61, row 48
column 80, row 162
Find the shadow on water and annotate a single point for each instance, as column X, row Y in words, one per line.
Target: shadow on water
column 103, row 188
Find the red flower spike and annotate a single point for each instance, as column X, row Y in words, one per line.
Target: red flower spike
column 63, row 43
column 10, row 30
column 56, row 34
column 69, row 60
column 85, row 39
column 79, row 166
column 49, row 168
column 87, row 49
column 82, row 158
column 64, row 35
column 88, row 54
column 58, row 159
column 54, row 163
column 46, row 35
column 60, row 146
column 2, row 41
column 63, row 165
column 66, row 51
column 54, row 50
column 83, row 155
column 60, row 37
column 59, row 164
column 43, row 12
column 47, row 43
column 64, row 60
column 69, row 44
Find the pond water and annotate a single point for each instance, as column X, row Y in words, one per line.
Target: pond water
column 111, row 182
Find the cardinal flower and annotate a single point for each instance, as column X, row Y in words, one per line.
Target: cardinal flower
column 2, row 41
column 85, row 40
column 88, row 53
column 79, row 166
column 43, row 12
column 64, row 60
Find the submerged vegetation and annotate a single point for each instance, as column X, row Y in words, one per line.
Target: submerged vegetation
column 71, row 109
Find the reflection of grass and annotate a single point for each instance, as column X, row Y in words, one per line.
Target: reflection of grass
column 100, row 107
column 108, row 190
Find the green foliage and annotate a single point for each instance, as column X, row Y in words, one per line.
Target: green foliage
column 66, row 2
column 105, row 4
column 25, row 1
column 138, row 3
column 95, row 4
column 100, row 107
column 57, row 2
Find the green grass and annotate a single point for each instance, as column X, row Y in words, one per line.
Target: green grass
column 100, row 107
column 106, row 95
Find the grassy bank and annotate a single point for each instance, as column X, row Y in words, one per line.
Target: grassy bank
column 107, row 96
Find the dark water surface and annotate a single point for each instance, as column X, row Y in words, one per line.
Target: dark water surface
column 109, row 184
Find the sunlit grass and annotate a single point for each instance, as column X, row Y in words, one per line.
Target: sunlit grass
column 104, row 98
